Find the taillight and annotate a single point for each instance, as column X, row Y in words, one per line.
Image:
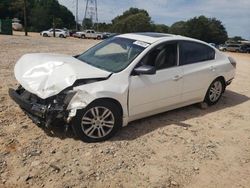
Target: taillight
column 232, row 61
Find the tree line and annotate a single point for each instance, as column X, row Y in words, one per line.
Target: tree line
column 138, row 20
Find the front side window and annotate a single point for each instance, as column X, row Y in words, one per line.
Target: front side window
column 162, row 57
column 113, row 54
column 194, row 52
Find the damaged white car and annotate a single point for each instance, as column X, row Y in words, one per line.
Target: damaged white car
column 119, row 80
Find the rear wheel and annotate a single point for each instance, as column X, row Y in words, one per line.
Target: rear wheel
column 98, row 37
column 61, row 36
column 83, row 36
column 45, row 35
column 98, row 122
column 214, row 92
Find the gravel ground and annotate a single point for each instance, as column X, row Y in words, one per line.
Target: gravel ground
column 187, row 147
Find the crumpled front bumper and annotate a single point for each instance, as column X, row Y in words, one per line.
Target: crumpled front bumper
column 42, row 114
column 32, row 108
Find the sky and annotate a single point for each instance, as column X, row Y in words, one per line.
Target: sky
column 234, row 14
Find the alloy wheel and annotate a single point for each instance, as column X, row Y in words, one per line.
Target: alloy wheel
column 215, row 91
column 98, row 122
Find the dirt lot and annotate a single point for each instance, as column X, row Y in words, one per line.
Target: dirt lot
column 188, row 147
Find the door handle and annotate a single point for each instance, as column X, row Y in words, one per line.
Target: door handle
column 177, row 77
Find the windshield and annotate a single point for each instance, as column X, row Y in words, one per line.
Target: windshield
column 113, row 54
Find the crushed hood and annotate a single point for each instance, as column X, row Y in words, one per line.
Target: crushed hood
column 48, row 74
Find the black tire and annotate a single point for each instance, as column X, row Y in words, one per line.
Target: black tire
column 98, row 38
column 45, row 35
column 80, row 129
column 83, row 36
column 209, row 99
column 61, row 36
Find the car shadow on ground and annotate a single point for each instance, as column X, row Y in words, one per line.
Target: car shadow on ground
column 144, row 126
column 177, row 117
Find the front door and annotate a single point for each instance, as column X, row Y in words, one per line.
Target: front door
column 152, row 93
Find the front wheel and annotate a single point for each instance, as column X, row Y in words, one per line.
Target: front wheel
column 98, row 122
column 214, row 92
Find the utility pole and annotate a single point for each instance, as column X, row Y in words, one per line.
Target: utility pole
column 76, row 15
column 91, row 12
column 54, row 29
column 96, row 15
column 25, row 17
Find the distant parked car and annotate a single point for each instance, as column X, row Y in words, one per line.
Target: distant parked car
column 223, row 47
column 67, row 31
column 245, row 48
column 59, row 33
column 233, row 48
column 107, row 35
column 90, row 34
column 16, row 25
column 72, row 33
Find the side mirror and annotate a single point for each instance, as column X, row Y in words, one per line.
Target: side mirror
column 145, row 69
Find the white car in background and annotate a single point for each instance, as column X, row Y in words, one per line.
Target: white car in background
column 89, row 34
column 58, row 33
column 121, row 79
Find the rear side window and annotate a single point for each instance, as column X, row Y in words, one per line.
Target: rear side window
column 193, row 52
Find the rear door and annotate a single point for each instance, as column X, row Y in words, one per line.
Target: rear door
column 199, row 69
column 151, row 93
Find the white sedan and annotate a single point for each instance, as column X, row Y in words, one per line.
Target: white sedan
column 58, row 33
column 121, row 79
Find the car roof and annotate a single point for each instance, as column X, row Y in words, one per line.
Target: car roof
column 152, row 37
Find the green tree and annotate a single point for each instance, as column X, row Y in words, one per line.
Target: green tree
column 87, row 23
column 132, row 20
column 103, row 27
column 160, row 28
column 178, row 28
column 207, row 29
